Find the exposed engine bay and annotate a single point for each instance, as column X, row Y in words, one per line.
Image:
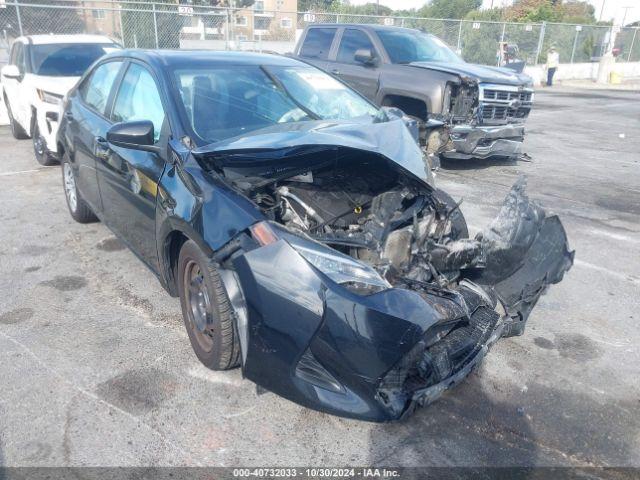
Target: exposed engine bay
column 449, row 295
column 408, row 234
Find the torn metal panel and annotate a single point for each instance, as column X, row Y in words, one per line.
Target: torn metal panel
column 364, row 295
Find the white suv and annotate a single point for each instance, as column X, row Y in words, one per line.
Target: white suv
column 41, row 70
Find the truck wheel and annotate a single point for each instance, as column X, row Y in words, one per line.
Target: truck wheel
column 78, row 208
column 40, row 147
column 207, row 312
column 17, row 131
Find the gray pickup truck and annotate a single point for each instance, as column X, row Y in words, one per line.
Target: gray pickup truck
column 464, row 110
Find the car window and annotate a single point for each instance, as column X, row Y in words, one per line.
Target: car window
column 139, row 99
column 353, row 40
column 67, row 60
column 95, row 90
column 317, row 43
column 223, row 102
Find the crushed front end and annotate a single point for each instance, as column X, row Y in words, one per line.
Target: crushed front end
column 361, row 294
column 482, row 120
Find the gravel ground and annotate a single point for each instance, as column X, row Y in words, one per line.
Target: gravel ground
column 96, row 368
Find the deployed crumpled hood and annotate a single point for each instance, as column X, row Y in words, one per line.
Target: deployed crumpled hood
column 389, row 139
column 58, row 85
column 483, row 73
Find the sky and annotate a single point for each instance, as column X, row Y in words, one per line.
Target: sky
column 613, row 9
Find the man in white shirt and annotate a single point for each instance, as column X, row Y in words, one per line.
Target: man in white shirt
column 553, row 59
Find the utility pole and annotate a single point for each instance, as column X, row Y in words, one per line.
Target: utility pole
column 624, row 18
column 602, row 9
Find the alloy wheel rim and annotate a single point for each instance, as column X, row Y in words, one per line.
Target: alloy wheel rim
column 199, row 306
column 70, row 187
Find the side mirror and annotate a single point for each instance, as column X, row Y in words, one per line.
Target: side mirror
column 11, row 71
column 364, row 55
column 137, row 135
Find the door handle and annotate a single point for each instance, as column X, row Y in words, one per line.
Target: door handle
column 335, row 71
column 101, row 148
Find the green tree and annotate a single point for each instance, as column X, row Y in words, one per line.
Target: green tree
column 449, row 8
column 138, row 28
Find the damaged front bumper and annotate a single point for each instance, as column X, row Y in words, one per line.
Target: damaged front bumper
column 378, row 357
column 482, row 141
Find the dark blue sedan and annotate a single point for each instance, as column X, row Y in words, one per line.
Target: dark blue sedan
column 300, row 226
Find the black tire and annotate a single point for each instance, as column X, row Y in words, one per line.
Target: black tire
column 17, row 131
column 459, row 227
column 43, row 156
column 78, row 208
column 206, row 310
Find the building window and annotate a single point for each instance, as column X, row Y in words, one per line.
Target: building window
column 241, row 38
column 98, row 14
column 261, row 23
column 286, row 23
column 258, row 6
column 241, row 21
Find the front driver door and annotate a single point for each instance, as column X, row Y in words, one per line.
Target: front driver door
column 129, row 178
column 361, row 77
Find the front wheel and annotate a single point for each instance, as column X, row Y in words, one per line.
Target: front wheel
column 40, row 147
column 78, row 208
column 207, row 312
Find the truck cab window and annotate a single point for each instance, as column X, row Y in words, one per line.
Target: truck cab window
column 352, row 41
column 317, row 43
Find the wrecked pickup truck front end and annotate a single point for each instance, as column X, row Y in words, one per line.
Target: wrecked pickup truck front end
column 483, row 110
column 360, row 293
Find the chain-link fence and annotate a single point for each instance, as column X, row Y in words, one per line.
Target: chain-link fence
column 167, row 24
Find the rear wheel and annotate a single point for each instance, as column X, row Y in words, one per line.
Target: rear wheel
column 17, row 131
column 78, row 208
column 40, row 147
column 207, row 312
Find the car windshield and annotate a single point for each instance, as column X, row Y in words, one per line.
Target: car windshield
column 223, row 102
column 67, row 60
column 407, row 47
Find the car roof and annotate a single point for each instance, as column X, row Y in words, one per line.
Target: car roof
column 365, row 26
column 199, row 58
column 55, row 39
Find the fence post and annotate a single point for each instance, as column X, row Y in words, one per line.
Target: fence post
column 460, row 37
column 155, row 25
column 633, row 40
column 18, row 17
column 504, row 27
column 540, row 41
column 226, row 27
column 575, row 43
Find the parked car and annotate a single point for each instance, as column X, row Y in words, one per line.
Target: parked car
column 480, row 110
column 300, row 227
column 41, row 70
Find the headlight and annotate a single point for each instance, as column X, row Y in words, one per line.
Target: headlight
column 342, row 269
column 48, row 97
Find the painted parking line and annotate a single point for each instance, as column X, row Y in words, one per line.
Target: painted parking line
column 620, row 276
column 7, row 174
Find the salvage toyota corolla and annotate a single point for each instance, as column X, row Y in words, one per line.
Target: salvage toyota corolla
column 300, row 227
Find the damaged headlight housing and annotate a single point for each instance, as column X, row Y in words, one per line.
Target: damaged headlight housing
column 342, row 269
column 351, row 274
column 48, row 97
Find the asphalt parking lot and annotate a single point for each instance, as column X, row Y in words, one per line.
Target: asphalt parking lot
column 96, row 368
